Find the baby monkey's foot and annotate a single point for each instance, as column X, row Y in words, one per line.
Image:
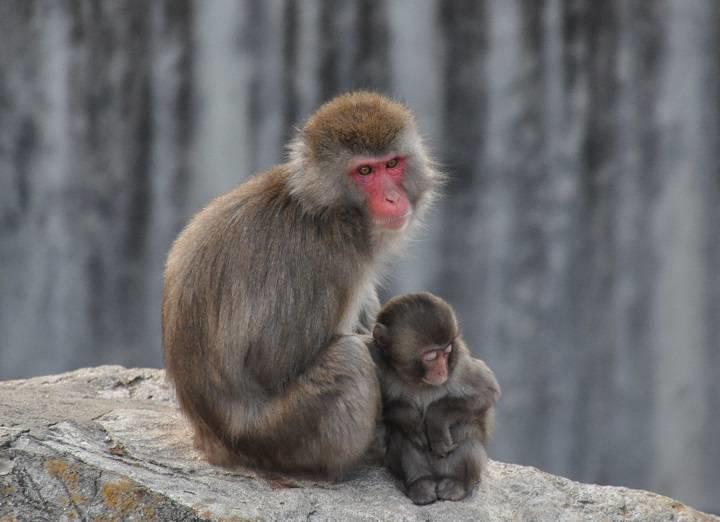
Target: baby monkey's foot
column 451, row 489
column 422, row 491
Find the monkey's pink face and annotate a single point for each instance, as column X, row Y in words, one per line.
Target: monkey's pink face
column 435, row 362
column 380, row 179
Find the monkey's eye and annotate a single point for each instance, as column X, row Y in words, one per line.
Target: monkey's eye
column 392, row 163
column 430, row 356
column 448, row 348
column 364, row 170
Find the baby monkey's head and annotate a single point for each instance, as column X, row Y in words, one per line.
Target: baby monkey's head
column 417, row 335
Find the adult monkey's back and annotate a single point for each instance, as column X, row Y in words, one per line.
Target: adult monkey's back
column 266, row 288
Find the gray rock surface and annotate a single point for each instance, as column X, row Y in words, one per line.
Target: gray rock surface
column 108, row 443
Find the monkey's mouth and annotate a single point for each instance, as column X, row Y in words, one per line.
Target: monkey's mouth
column 394, row 222
column 435, row 382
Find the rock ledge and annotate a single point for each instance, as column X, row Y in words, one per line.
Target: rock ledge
column 108, row 443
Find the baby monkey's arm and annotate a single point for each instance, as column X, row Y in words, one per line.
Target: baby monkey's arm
column 475, row 407
column 406, row 418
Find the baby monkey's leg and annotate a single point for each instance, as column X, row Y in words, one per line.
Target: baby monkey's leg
column 412, row 465
column 460, row 471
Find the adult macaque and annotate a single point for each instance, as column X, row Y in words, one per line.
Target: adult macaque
column 267, row 287
column 438, row 401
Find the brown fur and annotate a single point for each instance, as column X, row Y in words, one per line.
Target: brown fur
column 436, row 435
column 265, row 291
column 361, row 121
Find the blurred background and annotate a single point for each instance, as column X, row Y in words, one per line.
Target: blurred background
column 579, row 237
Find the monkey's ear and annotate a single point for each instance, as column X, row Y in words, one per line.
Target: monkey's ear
column 381, row 335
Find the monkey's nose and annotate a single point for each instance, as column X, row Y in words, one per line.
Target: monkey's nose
column 392, row 196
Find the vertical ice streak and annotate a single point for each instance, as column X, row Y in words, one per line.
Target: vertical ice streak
column 503, row 57
column 415, row 57
column 171, row 108
column 52, row 281
column 268, row 100
column 221, row 155
column 678, row 330
column 308, row 49
column 559, row 193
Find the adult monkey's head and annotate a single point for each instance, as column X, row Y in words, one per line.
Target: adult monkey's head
column 363, row 150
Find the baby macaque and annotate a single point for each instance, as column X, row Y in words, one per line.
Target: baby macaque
column 438, row 401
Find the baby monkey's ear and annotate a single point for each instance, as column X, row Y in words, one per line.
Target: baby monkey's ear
column 381, row 335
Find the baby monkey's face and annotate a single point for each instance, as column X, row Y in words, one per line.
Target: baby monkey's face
column 418, row 336
column 435, row 363
column 416, row 359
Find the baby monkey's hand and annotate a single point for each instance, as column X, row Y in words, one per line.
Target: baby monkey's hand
column 438, row 431
column 408, row 419
column 442, row 447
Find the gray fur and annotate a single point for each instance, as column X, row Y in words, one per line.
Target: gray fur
column 436, row 435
